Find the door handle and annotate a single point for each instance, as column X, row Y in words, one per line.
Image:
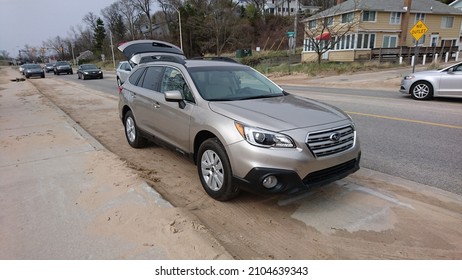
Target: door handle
column 155, row 105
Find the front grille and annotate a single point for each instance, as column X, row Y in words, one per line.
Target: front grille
column 331, row 142
column 331, row 174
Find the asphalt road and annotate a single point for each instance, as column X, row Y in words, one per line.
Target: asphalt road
column 413, row 140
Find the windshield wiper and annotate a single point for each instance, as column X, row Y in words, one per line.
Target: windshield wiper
column 259, row 96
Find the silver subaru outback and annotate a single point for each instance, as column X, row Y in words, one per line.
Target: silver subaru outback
column 243, row 131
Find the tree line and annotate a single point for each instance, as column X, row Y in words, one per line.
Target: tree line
column 207, row 26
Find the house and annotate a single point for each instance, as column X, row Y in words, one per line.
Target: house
column 351, row 29
column 288, row 8
column 458, row 5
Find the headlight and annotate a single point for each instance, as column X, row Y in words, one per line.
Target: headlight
column 264, row 138
column 409, row 77
column 85, row 72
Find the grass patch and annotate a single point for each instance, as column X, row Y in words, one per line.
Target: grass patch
column 326, row 68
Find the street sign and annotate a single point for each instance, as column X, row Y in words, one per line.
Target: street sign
column 290, row 34
column 418, row 30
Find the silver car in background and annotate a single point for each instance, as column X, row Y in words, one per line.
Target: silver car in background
column 242, row 130
column 425, row 85
column 122, row 72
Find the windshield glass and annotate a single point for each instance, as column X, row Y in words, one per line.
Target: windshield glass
column 232, row 83
column 88, row 66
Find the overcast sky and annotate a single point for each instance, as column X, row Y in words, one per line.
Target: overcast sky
column 33, row 21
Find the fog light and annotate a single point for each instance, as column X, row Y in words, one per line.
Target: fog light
column 270, row 182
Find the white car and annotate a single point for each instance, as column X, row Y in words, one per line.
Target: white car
column 123, row 70
column 427, row 84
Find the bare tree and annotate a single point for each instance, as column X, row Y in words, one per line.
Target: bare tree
column 111, row 15
column 145, row 7
column 90, row 20
column 129, row 11
column 331, row 27
column 222, row 22
column 57, row 44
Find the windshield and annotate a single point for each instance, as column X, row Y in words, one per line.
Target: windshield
column 88, row 66
column 34, row 66
column 232, row 83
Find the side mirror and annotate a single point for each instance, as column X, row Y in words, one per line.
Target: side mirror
column 451, row 70
column 175, row 96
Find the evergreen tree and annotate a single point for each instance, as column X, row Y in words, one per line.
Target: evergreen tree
column 98, row 36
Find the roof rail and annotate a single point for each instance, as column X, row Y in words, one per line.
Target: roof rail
column 220, row 58
column 163, row 57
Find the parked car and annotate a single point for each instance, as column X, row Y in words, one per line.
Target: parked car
column 425, row 85
column 86, row 71
column 243, row 131
column 31, row 70
column 48, row 67
column 62, row 67
column 22, row 68
column 123, row 70
column 142, row 51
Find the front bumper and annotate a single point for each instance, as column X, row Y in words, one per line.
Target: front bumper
column 37, row 74
column 290, row 182
column 405, row 86
column 294, row 168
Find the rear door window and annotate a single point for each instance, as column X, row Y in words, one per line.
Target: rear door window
column 136, row 76
column 152, row 77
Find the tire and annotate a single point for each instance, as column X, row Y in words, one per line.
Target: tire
column 422, row 90
column 101, row 76
column 27, row 76
column 43, row 76
column 215, row 171
column 78, row 76
column 132, row 133
column 83, row 76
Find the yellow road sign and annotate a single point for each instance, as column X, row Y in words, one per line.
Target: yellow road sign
column 418, row 30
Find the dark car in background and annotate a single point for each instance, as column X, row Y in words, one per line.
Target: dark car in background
column 86, row 71
column 31, row 70
column 62, row 67
column 22, row 68
column 48, row 67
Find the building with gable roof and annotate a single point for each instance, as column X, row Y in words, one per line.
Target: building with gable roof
column 379, row 24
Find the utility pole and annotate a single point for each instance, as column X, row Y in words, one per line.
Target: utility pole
column 405, row 22
column 295, row 24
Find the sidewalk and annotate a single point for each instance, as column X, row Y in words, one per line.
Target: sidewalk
column 64, row 196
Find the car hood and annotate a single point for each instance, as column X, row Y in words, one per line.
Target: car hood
column 133, row 50
column 279, row 113
column 427, row 73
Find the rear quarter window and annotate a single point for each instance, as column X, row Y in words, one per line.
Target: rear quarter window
column 136, row 76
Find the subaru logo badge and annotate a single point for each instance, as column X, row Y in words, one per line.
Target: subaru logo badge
column 335, row 137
